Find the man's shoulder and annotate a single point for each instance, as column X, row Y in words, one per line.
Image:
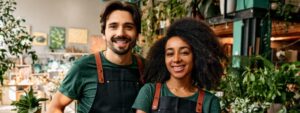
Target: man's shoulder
column 86, row 59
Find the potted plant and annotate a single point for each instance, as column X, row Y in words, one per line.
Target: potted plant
column 258, row 84
column 28, row 103
column 15, row 40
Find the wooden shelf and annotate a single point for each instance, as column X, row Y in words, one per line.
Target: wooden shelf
column 20, row 66
column 279, row 31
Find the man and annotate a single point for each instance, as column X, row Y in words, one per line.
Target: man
column 108, row 81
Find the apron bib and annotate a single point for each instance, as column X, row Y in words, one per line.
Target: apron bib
column 167, row 104
column 116, row 90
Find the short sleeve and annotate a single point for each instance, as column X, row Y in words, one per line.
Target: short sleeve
column 145, row 97
column 70, row 86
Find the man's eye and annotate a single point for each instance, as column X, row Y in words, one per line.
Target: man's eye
column 113, row 27
column 128, row 27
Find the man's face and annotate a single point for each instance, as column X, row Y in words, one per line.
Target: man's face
column 120, row 32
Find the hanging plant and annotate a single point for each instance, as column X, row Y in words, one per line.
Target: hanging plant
column 156, row 13
column 14, row 38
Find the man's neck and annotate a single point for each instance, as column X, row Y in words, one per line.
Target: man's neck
column 118, row 59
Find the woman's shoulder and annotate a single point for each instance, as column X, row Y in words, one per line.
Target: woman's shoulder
column 210, row 96
column 149, row 86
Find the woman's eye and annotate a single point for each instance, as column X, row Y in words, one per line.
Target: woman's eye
column 169, row 54
column 185, row 53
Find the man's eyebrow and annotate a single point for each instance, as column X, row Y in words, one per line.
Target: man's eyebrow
column 113, row 23
column 129, row 23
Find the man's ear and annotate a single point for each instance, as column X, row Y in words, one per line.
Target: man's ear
column 103, row 36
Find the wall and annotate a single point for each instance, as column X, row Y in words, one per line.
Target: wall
column 42, row 14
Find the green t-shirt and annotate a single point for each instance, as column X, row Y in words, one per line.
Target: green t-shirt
column 145, row 97
column 81, row 81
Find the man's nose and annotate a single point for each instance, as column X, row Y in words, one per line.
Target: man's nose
column 120, row 32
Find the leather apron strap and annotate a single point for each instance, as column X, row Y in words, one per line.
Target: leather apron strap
column 141, row 68
column 99, row 68
column 156, row 96
column 200, row 101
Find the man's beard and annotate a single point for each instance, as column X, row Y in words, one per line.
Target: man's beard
column 121, row 51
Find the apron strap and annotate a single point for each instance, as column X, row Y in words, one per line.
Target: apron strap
column 156, row 96
column 141, row 68
column 99, row 68
column 200, row 101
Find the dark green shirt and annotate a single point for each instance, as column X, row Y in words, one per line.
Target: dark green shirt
column 81, row 81
column 145, row 97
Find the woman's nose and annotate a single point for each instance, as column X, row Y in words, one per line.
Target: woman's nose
column 176, row 58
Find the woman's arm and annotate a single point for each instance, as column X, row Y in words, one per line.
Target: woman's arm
column 144, row 99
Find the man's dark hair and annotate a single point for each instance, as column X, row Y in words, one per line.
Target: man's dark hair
column 124, row 6
column 207, row 51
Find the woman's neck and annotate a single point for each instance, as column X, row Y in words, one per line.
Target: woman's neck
column 181, row 87
column 118, row 59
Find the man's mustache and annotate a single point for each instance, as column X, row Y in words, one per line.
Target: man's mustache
column 120, row 38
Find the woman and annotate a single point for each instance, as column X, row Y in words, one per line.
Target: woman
column 179, row 67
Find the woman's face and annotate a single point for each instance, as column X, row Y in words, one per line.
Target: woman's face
column 178, row 57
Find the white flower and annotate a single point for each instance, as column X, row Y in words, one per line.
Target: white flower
column 26, row 42
column 2, row 43
column 15, row 30
column 1, row 24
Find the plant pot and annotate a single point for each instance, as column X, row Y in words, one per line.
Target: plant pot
column 274, row 108
column 230, row 6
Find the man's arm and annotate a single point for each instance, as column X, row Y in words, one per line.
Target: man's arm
column 58, row 103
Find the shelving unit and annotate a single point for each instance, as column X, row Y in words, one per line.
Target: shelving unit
column 23, row 76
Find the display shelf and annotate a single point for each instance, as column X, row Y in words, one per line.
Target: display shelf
column 22, row 76
column 20, row 66
column 63, row 53
column 39, row 74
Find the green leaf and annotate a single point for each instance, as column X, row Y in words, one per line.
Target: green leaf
column 252, row 77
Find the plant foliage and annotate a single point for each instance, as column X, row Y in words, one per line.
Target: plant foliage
column 156, row 11
column 28, row 103
column 14, row 38
column 258, row 83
